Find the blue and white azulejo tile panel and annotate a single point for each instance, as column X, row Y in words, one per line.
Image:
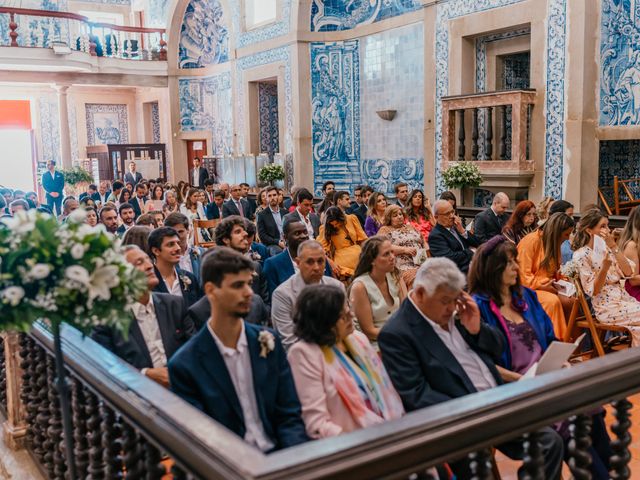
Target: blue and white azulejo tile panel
column 619, row 158
column 49, row 128
column 106, row 124
column 205, row 104
column 204, row 38
column 620, row 63
column 383, row 174
column 268, row 115
column 155, row 122
column 333, row 15
column 278, row 28
column 335, row 109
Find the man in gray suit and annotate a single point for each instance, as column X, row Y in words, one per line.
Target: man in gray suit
column 303, row 214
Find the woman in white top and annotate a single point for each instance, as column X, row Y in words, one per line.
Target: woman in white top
column 157, row 200
column 194, row 210
column 377, row 289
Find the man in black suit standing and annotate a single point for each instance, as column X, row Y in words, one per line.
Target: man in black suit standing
column 132, row 176
column 53, row 185
column 303, row 213
column 270, row 224
column 436, row 348
column 489, row 223
column 449, row 238
column 199, row 174
column 236, row 205
column 159, row 329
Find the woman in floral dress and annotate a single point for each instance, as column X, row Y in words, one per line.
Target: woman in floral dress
column 408, row 243
column 601, row 271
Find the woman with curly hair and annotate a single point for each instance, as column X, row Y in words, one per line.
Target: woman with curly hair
column 419, row 214
column 521, row 222
column 341, row 236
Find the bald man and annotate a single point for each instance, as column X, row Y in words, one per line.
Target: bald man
column 489, row 223
column 449, row 239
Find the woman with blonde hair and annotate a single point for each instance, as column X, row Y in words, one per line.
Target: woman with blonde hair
column 601, row 270
column 377, row 289
column 540, row 259
column 375, row 213
column 408, row 244
column 630, row 244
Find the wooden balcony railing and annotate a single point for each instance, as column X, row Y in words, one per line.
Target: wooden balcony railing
column 44, row 29
column 500, row 129
column 125, row 423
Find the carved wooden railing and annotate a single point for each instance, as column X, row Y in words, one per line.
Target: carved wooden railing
column 44, row 29
column 124, row 422
column 500, row 129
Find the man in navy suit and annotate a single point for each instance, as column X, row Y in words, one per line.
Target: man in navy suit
column 270, row 223
column 303, row 213
column 101, row 194
column 213, row 209
column 436, row 348
column 160, row 326
column 198, row 175
column 359, row 207
column 236, row 205
column 489, row 223
column 449, row 238
column 132, row 176
column 280, row 268
column 244, row 193
column 236, row 372
column 191, row 258
column 53, row 185
column 139, row 199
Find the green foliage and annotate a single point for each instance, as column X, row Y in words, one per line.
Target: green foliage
column 462, row 174
column 270, row 173
column 76, row 175
column 69, row 272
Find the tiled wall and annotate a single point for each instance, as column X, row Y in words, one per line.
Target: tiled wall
column 392, row 78
column 619, row 63
column 332, row 15
column 204, row 37
column 205, row 104
column 106, row 124
column 621, row 158
column 49, row 128
column 268, row 112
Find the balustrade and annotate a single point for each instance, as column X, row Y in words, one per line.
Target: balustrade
column 125, row 426
column 44, row 29
column 509, row 128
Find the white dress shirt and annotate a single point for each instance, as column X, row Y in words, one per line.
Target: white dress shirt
column 277, row 218
column 148, row 323
column 296, row 269
column 238, row 362
column 175, row 288
column 307, row 223
column 196, row 177
column 185, row 262
column 471, row 363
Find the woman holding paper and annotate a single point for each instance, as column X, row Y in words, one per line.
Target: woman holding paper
column 601, row 270
column 517, row 313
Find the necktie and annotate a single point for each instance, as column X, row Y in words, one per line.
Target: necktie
column 239, row 205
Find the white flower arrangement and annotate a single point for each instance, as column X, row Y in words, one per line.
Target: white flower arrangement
column 69, row 272
column 570, row 270
column 270, row 173
column 267, row 343
column 462, row 174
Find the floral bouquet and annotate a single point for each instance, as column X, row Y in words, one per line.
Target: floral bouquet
column 68, row 272
column 270, row 173
column 462, row 174
column 570, row 270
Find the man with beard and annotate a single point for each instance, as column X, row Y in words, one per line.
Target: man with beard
column 109, row 218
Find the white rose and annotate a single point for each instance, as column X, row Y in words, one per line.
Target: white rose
column 77, row 251
column 22, row 222
column 78, row 274
column 77, row 216
column 103, row 279
column 40, row 271
column 13, row 295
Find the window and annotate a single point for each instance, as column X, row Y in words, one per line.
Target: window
column 260, row 12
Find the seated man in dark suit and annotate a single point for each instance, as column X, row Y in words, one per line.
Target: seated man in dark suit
column 92, row 189
column 489, row 223
column 359, row 207
column 436, row 348
column 231, row 233
column 244, row 193
column 164, row 245
column 280, row 268
column 270, row 223
column 236, row 372
column 449, row 239
column 303, row 213
column 139, row 199
column 213, row 210
column 236, row 205
column 160, row 326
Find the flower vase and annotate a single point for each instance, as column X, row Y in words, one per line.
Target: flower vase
column 279, row 184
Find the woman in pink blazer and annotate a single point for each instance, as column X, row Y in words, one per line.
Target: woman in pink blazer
column 340, row 379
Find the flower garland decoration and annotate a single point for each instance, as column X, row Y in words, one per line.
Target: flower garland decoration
column 76, row 175
column 270, row 173
column 69, row 272
column 462, row 174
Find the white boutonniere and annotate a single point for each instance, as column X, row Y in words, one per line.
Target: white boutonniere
column 186, row 282
column 267, row 343
column 255, row 256
column 195, row 252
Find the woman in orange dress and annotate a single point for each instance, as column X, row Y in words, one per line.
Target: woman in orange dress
column 540, row 260
column 341, row 236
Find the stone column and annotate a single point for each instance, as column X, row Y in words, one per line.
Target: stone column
column 63, row 114
column 15, row 428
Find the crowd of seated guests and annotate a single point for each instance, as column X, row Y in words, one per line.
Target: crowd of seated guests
column 308, row 320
